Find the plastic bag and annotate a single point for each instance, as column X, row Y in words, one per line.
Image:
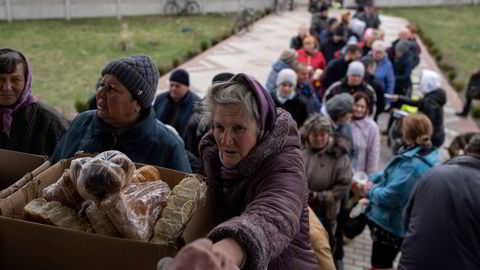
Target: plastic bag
column 64, row 191
column 135, row 209
column 106, row 173
column 100, row 222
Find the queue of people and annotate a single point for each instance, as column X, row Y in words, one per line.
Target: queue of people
column 280, row 159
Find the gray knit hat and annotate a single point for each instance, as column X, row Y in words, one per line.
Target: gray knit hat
column 289, row 56
column 339, row 105
column 139, row 74
column 356, row 68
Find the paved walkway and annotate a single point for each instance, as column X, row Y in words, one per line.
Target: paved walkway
column 256, row 51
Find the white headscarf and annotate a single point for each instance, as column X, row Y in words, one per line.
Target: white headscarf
column 430, row 81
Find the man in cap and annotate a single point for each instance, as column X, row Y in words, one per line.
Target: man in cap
column 337, row 69
column 403, row 67
column 175, row 107
column 443, row 216
column 353, row 83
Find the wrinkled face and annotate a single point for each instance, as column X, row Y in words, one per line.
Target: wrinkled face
column 309, row 45
column 378, row 55
column 177, row 90
column 360, row 108
column 302, row 75
column 234, row 132
column 12, row 85
column 318, row 140
column 354, row 80
column 286, row 89
column 115, row 104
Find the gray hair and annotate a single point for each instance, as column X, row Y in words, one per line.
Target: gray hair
column 315, row 123
column 231, row 93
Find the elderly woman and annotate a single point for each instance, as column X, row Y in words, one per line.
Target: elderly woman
column 366, row 135
column 125, row 120
column 26, row 125
column 328, row 168
column 388, row 191
column 254, row 167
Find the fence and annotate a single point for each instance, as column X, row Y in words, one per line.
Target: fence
column 67, row 9
column 413, row 3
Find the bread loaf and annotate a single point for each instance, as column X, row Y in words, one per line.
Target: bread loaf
column 64, row 191
column 135, row 209
column 100, row 222
column 54, row 213
column 146, row 173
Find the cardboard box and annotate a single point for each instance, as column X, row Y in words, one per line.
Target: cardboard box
column 17, row 169
column 27, row 245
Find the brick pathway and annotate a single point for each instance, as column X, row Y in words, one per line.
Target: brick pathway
column 256, row 51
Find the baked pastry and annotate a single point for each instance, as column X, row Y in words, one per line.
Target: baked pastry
column 146, row 173
column 64, row 191
column 54, row 213
column 135, row 209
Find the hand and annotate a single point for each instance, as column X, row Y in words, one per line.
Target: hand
column 230, row 249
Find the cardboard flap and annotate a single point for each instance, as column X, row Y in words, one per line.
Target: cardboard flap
column 14, row 165
column 24, row 180
column 26, row 245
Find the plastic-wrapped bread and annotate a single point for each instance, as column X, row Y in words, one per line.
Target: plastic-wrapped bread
column 135, row 209
column 146, row 173
column 100, row 222
column 76, row 167
column 180, row 208
column 54, row 213
column 64, row 191
column 106, row 173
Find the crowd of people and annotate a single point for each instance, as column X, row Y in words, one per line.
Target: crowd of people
column 281, row 158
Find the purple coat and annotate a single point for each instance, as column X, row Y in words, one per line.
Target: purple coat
column 265, row 208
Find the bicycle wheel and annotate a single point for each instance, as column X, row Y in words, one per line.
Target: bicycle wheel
column 192, row 7
column 240, row 26
column 171, row 8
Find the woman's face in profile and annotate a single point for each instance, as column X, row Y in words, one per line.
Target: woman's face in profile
column 115, row 104
column 235, row 133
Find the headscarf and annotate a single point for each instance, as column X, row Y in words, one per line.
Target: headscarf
column 24, row 100
column 430, row 81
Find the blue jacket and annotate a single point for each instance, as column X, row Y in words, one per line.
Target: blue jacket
column 272, row 77
column 148, row 141
column 385, row 75
column 393, row 186
column 164, row 105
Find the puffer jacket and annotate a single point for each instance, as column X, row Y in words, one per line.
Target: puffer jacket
column 147, row 141
column 265, row 207
column 393, row 186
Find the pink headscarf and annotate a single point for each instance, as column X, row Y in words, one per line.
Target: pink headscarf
column 23, row 101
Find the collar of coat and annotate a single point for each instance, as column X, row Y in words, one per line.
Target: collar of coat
column 130, row 136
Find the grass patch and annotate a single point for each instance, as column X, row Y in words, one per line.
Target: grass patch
column 455, row 32
column 67, row 57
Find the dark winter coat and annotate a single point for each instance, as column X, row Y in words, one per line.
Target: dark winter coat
column 296, row 43
column 432, row 106
column 174, row 113
column 36, row 129
column 265, row 209
column 403, row 68
column 318, row 24
column 414, row 51
column 379, row 92
column 336, row 70
column 371, row 21
column 147, row 141
column 330, row 48
column 473, row 88
column 306, row 92
column 297, row 108
column 443, row 218
column 343, row 87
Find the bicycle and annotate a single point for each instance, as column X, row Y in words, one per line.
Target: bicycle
column 172, row 7
column 244, row 21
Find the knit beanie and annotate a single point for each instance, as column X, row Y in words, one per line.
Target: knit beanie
column 339, row 105
column 402, row 47
column 289, row 56
column 356, row 68
column 180, row 76
column 138, row 74
column 287, row 75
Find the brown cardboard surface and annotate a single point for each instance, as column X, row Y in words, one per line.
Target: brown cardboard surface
column 26, row 245
column 17, row 169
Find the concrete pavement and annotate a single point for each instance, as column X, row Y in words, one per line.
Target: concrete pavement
column 256, row 51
